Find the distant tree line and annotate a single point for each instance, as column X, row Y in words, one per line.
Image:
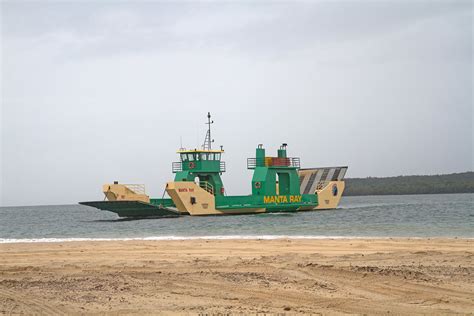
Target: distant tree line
column 437, row 184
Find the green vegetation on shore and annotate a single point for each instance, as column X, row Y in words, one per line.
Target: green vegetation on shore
column 437, row 184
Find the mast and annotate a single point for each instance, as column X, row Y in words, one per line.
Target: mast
column 208, row 140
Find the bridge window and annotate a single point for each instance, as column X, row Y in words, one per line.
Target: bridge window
column 204, row 156
column 184, row 157
column 190, row 157
column 211, row 156
column 218, row 156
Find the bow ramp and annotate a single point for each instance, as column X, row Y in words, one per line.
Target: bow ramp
column 134, row 209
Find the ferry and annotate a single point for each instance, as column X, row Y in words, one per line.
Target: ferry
column 279, row 184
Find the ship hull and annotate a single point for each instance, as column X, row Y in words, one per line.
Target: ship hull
column 187, row 198
column 192, row 199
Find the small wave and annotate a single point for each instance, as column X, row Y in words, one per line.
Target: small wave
column 232, row 237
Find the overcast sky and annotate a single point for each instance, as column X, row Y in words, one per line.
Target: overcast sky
column 98, row 91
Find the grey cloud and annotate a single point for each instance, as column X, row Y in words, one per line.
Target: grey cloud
column 90, row 92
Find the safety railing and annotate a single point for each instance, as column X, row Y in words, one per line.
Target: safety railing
column 222, row 166
column 177, row 167
column 136, row 188
column 252, row 163
column 207, row 186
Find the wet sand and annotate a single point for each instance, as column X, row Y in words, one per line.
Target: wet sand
column 361, row 276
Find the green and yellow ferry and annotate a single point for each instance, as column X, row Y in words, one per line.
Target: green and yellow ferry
column 279, row 184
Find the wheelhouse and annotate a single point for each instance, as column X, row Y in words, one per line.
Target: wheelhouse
column 187, row 156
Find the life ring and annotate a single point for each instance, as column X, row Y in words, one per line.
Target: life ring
column 192, row 165
column 258, row 185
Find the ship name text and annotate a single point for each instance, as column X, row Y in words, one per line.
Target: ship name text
column 282, row 199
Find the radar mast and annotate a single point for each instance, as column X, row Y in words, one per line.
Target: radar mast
column 208, row 140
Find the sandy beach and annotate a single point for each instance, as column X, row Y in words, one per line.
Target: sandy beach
column 328, row 276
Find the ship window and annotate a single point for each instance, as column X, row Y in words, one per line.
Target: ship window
column 184, row 157
column 203, row 156
column 211, row 156
column 218, row 156
column 190, row 157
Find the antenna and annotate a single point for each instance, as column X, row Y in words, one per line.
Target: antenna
column 208, row 140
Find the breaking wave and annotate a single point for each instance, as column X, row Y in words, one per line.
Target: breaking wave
column 170, row 238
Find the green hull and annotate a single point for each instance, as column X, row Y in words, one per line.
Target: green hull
column 134, row 209
column 276, row 203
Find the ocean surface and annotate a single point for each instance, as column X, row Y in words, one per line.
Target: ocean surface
column 444, row 215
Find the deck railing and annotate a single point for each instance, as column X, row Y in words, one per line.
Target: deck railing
column 136, row 188
column 252, row 163
column 207, row 186
column 177, row 167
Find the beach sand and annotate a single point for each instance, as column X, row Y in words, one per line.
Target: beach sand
column 329, row 276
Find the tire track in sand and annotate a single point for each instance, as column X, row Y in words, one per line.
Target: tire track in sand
column 282, row 297
column 31, row 305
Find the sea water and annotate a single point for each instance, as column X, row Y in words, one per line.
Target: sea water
column 443, row 215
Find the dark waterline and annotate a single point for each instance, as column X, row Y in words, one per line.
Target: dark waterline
column 446, row 215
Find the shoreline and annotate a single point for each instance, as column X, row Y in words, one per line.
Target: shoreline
column 219, row 237
column 397, row 275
